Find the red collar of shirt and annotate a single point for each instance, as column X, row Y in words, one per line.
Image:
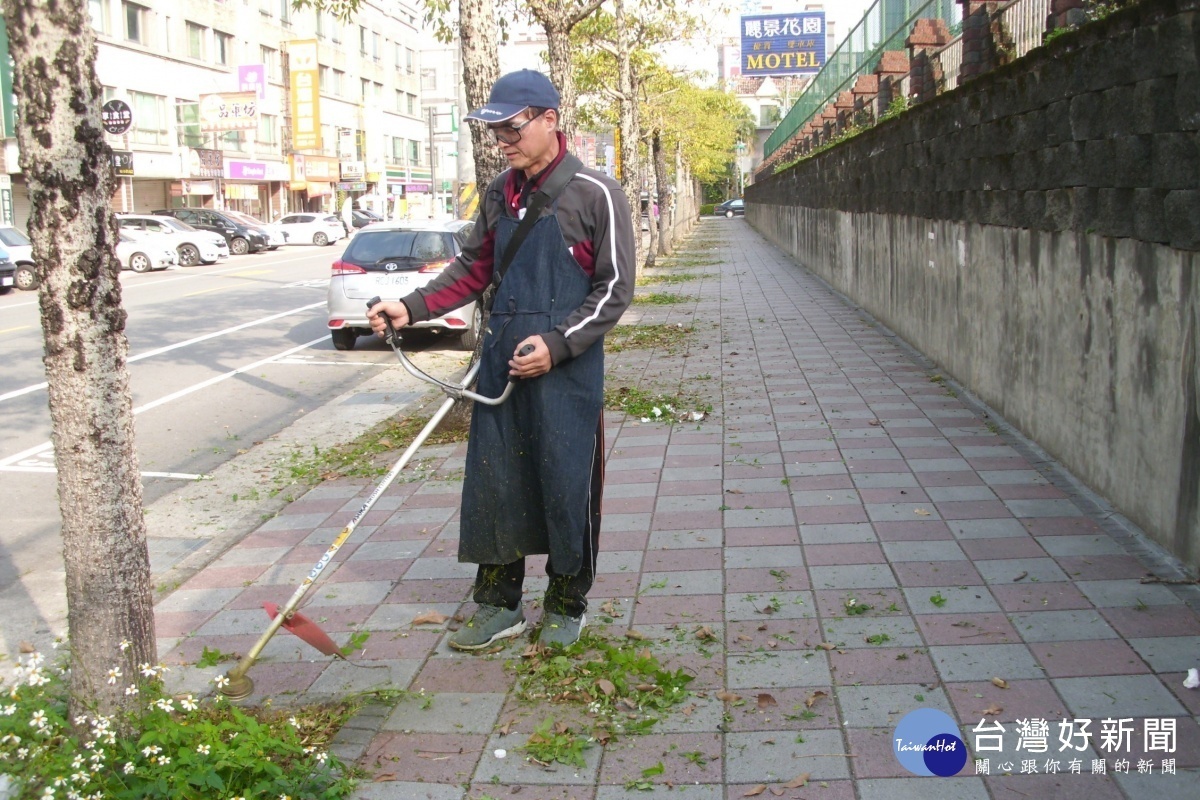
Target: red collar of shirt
column 517, row 189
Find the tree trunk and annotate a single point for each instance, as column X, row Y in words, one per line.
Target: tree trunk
column 68, row 169
column 558, row 49
column 664, row 194
column 652, row 220
column 481, row 68
column 627, row 120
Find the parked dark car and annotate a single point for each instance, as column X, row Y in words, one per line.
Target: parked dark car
column 242, row 237
column 8, row 273
column 731, row 208
column 362, row 218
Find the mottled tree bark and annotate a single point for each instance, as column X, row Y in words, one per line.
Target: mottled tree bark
column 663, row 187
column 558, row 18
column 481, row 68
column 631, row 180
column 67, row 166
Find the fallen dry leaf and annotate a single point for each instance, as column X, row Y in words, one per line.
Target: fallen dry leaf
column 920, row 512
column 430, row 618
column 27, row 647
column 507, row 727
column 383, row 777
column 827, row 646
column 728, row 697
column 762, row 627
column 765, row 701
column 705, row 634
column 635, row 635
column 814, row 697
column 777, row 792
column 1000, row 683
column 646, row 687
column 874, row 422
column 798, row 781
column 744, row 638
column 688, row 710
column 754, row 791
column 606, row 686
column 771, row 643
column 993, row 711
column 561, row 728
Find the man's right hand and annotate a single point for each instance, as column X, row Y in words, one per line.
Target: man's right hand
column 397, row 311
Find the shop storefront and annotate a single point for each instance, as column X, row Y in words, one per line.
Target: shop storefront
column 200, row 188
column 253, row 187
column 312, row 182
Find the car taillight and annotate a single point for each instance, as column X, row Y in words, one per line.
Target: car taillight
column 344, row 268
column 436, row 266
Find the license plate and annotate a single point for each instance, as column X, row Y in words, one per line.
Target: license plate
column 391, row 280
column 6, row 281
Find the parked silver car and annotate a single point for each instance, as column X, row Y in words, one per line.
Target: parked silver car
column 193, row 246
column 391, row 259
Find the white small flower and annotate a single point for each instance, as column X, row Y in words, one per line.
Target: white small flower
column 657, row 412
column 203, row 749
column 22, row 752
column 131, row 690
column 221, row 681
column 128, row 769
column 164, row 760
column 152, row 750
column 113, row 674
column 9, row 710
column 645, row 419
column 38, row 720
column 81, row 720
column 322, row 757
column 295, row 723
column 166, row 704
column 125, row 645
column 188, row 703
column 147, row 670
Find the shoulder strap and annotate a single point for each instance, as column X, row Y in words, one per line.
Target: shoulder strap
column 551, row 187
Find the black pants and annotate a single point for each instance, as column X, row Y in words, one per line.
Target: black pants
column 501, row 584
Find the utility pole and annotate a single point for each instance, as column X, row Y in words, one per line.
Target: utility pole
column 433, row 185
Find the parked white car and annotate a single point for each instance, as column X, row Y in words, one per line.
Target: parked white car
column 20, row 251
column 192, row 246
column 318, row 229
column 148, row 253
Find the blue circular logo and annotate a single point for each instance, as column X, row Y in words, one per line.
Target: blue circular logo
column 927, row 743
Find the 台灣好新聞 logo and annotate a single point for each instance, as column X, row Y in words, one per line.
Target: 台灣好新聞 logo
column 927, row 742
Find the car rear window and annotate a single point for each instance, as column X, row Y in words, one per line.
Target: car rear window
column 370, row 247
column 13, row 237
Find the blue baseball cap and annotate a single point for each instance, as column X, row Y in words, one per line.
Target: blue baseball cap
column 515, row 92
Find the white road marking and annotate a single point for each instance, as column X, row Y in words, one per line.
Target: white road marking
column 150, row 353
column 25, row 461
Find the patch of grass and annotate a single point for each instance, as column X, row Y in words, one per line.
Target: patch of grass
column 854, row 608
column 937, row 600
column 637, row 337
column 211, row 656
column 657, row 407
column 554, row 742
column 670, row 277
column 365, row 457
column 687, row 261
column 878, row 638
column 661, row 299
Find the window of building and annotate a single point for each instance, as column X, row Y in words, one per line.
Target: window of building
column 399, row 56
column 414, row 152
column 397, row 150
column 362, row 40
column 339, row 83
column 328, row 141
column 270, row 60
column 365, row 89
column 399, row 102
column 375, row 46
column 135, row 18
column 195, row 41
column 377, row 92
column 98, row 13
column 187, row 122
column 285, row 12
column 428, row 80
column 223, row 47
column 323, row 82
column 150, row 122
column 412, row 105
column 232, row 141
column 322, row 24
column 268, row 129
column 410, row 61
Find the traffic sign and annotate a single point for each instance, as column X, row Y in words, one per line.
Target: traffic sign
column 116, row 116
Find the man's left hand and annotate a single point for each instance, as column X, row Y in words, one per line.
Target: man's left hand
column 536, row 363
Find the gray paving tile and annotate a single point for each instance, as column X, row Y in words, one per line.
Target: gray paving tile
column 345, row 677
column 783, row 605
column 1169, row 653
column 827, row 497
column 698, row 581
column 434, row 568
column 645, row 462
column 408, row 790
column 986, row 528
column 671, row 474
column 399, row 616
column 758, row 517
column 648, row 489
column 683, row 791
column 1013, row 477
column 689, row 502
column 1118, row 696
column 843, row 533
column 294, row 522
column 752, row 485
column 619, row 561
column 627, row 522
column 782, row 555
column 922, row 789
column 800, row 469
column 748, row 761
column 1043, row 508
column 957, row 663
column 705, row 716
column 422, row 516
column 446, row 712
column 349, row 593
column 1178, row 786
column 944, row 494
column 938, row 465
column 883, row 706
column 234, row 622
column 885, row 480
column 1127, row 594
column 856, row 576
column 1007, row 570
column 197, row 599
column 897, row 512
column 923, row 551
column 950, row 599
column 1062, row 626
column 386, row 551
column 251, row 556
column 851, row 632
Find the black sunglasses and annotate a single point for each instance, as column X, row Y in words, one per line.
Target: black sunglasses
column 511, row 134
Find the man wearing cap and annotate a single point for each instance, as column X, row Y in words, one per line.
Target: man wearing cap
column 535, row 468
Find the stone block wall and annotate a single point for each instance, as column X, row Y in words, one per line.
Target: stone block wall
column 1035, row 233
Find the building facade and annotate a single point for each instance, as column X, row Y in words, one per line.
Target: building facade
column 254, row 106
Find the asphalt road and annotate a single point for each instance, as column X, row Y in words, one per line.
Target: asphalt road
column 222, row 358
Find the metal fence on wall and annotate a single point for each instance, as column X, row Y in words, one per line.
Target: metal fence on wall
column 884, row 26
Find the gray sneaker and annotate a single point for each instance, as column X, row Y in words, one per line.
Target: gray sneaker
column 561, row 630
column 490, row 624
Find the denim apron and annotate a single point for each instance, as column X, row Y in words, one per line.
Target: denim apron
column 530, row 460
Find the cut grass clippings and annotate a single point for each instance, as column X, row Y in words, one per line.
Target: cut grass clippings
column 670, row 277
column 636, row 337
column 661, row 299
column 654, row 407
column 620, row 685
